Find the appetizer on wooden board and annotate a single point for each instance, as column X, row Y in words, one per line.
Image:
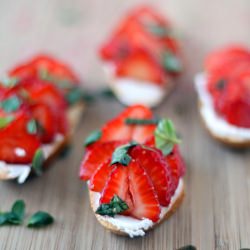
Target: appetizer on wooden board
column 224, row 95
column 134, row 171
column 40, row 105
column 142, row 57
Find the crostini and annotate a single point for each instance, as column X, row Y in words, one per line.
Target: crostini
column 40, row 106
column 134, row 172
column 141, row 58
column 224, row 95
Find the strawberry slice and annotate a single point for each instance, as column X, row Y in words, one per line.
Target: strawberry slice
column 175, row 164
column 117, row 129
column 157, row 169
column 141, row 65
column 100, row 176
column 96, row 154
column 117, row 184
column 217, row 60
column 17, row 145
column 52, row 66
column 145, row 201
column 18, row 148
column 43, row 114
column 176, row 167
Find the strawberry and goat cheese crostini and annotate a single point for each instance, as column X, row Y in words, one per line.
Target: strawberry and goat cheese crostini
column 39, row 109
column 141, row 58
column 224, row 95
column 134, row 171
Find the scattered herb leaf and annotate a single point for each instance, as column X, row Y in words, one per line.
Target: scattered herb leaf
column 171, row 62
column 106, row 93
column 15, row 216
column 74, row 95
column 116, row 206
column 165, row 136
column 40, row 219
column 37, row 162
column 18, row 209
column 11, row 104
column 120, row 155
column 132, row 121
column 188, row 247
column 65, row 151
column 93, row 137
column 32, row 127
column 5, row 121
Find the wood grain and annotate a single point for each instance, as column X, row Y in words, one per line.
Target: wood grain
column 216, row 211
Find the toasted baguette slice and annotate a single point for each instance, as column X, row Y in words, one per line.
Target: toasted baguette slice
column 21, row 172
column 130, row 91
column 215, row 125
column 140, row 231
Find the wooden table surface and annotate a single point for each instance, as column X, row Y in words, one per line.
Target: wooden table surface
column 216, row 211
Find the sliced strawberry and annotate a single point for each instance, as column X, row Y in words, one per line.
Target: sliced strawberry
column 53, row 67
column 117, row 184
column 215, row 61
column 156, row 167
column 17, row 148
column 100, row 176
column 141, row 65
column 233, row 103
column 176, row 166
column 144, row 197
column 96, row 154
column 44, row 115
column 117, row 129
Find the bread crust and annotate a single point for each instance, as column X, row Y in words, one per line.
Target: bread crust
column 226, row 141
column 115, row 230
column 74, row 115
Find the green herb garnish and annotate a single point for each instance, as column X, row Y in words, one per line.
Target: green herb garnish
column 132, row 121
column 40, row 219
column 32, row 126
column 5, row 121
column 120, row 155
column 188, row 247
column 93, row 137
column 15, row 216
column 116, row 206
column 38, row 161
column 10, row 82
column 171, row 62
column 165, row 136
column 159, row 30
column 11, row 104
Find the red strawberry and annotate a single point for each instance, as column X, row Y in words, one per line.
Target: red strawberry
column 54, row 67
column 16, row 144
column 176, row 166
column 100, row 176
column 117, row 184
column 217, row 60
column 18, row 148
column 157, row 169
column 43, row 114
column 142, row 66
column 117, row 129
column 96, row 154
column 233, row 103
column 145, row 202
